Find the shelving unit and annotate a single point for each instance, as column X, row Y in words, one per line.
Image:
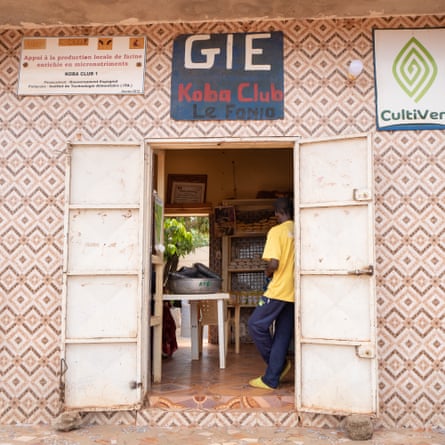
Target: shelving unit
column 242, row 266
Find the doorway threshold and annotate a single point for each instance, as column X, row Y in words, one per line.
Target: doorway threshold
column 202, row 385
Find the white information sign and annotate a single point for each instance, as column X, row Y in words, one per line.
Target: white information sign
column 410, row 78
column 82, row 65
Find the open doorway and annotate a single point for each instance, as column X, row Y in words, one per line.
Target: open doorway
column 243, row 174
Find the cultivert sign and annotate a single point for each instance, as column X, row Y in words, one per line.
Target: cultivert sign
column 410, row 78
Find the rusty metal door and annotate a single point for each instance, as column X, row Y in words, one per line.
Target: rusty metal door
column 103, row 363
column 335, row 286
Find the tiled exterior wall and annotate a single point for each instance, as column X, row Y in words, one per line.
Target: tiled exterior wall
column 410, row 202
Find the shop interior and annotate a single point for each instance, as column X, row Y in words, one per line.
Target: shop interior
column 235, row 189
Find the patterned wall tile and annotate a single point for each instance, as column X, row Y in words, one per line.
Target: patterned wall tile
column 320, row 102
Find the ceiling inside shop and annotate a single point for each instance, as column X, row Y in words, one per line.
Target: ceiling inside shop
column 89, row 12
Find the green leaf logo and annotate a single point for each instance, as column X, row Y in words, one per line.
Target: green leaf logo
column 414, row 69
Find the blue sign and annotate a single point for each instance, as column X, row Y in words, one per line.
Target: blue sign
column 228, row 77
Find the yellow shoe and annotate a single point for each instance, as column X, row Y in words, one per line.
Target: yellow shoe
column 258, row 383
column 285, row 370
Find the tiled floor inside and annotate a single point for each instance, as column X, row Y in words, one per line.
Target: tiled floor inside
column 202, row 384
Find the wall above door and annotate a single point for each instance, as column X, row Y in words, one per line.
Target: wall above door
column 87, row 12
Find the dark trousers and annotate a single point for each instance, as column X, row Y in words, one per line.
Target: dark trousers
column 272, row 346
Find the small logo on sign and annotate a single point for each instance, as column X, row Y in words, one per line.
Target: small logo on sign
column 34, row 44
column 414, row 69
column 105, row 43
column 137, row 43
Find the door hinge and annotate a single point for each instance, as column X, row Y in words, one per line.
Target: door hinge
column 63, row 369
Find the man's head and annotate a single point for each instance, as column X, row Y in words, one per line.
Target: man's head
column 283, row 209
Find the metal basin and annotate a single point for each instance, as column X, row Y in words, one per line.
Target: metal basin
column 193, row 285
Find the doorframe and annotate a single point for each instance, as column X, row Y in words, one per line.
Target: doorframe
column 158, row 146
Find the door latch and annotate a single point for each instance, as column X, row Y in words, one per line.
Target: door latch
column 135, row 385
column 362, row 194
column 365, row 350
column 369, row 270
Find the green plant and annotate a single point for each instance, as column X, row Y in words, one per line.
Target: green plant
column 183, row 235
column 178, row 241
column 199, row 227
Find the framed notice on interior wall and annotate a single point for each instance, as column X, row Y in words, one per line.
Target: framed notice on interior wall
column 186, row 189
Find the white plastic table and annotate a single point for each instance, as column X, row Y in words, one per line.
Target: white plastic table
column 194, row 299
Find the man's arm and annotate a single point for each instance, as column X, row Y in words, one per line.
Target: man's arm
column 272, row 266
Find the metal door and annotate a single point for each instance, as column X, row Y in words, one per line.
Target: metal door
column 335, row 286
column 104, row 312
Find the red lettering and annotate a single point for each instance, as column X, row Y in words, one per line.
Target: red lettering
column 241, row 97
column 183, row 92
column 255, row 92
column 209, row 94
column 251, row 93
column 264, row 96
column 246, row 92
column 187, row 94
column 277, row 95
column 197, row 96
column 225, row 96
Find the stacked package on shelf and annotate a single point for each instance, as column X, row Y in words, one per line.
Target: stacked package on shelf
column 242, row 264
column 260, row 226
column 246, row 298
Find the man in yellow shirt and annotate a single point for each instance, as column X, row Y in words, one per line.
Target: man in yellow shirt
column 277, row 303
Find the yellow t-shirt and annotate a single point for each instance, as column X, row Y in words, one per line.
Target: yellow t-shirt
column 280, row 246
